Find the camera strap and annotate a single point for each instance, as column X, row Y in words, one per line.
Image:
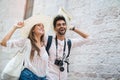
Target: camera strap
column 56, row 42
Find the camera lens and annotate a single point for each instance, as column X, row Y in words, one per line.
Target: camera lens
column 60, row 63
column 56, row 62
column 61, row 69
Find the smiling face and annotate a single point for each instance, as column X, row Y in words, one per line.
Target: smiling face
column 60, row 27
column 39, row 29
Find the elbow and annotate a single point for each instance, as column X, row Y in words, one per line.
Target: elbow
column 3, row 43
column 86, row 36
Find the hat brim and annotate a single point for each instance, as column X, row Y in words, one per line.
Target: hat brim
column 30, row 22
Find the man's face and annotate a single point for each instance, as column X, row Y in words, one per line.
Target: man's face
column 61, row 27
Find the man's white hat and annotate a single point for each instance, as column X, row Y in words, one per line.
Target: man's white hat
column 66, row 14
column 30, row 22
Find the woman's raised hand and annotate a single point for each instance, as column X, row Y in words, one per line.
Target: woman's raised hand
column 19, row 25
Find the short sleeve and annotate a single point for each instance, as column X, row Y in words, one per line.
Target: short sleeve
column 46, row 39
column 16, row 43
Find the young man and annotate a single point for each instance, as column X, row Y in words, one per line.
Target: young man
column 58, row 50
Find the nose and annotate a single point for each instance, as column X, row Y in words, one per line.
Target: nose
column 61, row 25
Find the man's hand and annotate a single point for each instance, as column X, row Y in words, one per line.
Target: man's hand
column 72, row 27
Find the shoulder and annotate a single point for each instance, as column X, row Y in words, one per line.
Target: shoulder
column 24, row 40
column 47, row 36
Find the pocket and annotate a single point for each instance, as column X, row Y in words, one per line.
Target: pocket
column 26, row 74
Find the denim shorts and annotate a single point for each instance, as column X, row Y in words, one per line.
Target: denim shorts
column 26, row 74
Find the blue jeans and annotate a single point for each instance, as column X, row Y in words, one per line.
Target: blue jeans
column 26, row 74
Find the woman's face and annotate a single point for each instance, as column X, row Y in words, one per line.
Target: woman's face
column 39, row 29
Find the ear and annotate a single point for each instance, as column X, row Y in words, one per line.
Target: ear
column 54, row 29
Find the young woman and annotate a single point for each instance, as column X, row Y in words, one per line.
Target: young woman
column 36, row 57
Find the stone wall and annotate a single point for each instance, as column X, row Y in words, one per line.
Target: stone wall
column 100, row 58
column 11, row 11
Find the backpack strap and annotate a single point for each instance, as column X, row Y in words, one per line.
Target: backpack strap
column 67, row 59
column 69, row 47
column 49, row 42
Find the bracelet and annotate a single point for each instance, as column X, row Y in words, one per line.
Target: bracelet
column 15, row 27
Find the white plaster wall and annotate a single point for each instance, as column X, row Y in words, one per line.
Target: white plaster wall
column 11, row 11
column 100, row 58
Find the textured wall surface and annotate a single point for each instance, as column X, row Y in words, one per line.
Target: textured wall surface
column 11, row 11
column 98, row 59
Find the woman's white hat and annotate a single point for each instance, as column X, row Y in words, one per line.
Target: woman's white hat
column 46, row 20
column 30, row 22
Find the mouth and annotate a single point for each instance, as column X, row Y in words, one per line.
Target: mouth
column 62, row 29
column 41, row 30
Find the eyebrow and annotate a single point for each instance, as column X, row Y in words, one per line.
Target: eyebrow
column 61, row 23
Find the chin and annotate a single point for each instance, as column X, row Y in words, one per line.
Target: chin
column 62, row 33
column 42, row 33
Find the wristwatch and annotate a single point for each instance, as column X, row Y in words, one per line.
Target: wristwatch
column 73, row 28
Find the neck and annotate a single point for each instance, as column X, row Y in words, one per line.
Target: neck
column 37, row 38
column 61, row 37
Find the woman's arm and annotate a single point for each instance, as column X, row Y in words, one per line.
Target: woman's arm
column 10, row 33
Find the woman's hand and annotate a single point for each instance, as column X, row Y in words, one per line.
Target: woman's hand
column 19, row 25
column 10, row 33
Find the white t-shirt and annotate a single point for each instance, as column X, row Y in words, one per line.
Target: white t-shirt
column 39, row 64
column 54, row 72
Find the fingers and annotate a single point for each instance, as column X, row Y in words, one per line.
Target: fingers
column 20, row 23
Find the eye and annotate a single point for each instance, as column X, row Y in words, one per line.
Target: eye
column 38, row 24
column 58, row 24
column 64, row 24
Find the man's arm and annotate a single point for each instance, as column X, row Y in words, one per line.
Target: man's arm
column 84, row 35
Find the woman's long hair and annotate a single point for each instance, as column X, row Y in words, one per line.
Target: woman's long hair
column 34, row 48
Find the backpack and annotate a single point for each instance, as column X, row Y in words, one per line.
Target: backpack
column 49, row 42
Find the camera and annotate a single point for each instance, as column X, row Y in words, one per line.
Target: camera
column 60, row 64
